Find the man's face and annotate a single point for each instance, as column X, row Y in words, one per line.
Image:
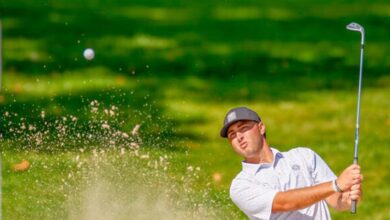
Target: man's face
column 246, row 138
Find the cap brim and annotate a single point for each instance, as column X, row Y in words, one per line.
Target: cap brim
column 225, row 128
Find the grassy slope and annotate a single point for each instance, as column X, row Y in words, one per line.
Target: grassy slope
column 185, row 64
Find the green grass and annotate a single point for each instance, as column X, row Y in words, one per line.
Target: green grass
column 176, row 67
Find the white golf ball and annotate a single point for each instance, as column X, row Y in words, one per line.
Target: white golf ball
column 89, row 54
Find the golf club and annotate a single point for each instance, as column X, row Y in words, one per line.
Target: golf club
column 357, row 27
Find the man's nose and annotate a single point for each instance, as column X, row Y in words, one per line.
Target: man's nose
column 239, row 136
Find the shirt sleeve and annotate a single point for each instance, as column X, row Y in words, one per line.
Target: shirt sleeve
column 254, row 199
column 320, row 171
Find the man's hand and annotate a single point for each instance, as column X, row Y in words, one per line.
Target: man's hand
column 343, row 200
column 355, row 193
column 349, row 177
column 349, row 182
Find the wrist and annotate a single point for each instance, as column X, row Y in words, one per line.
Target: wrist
column 335, row 187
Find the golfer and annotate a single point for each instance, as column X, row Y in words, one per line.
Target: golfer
column 296, row 184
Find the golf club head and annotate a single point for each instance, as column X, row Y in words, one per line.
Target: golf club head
column 356, row 27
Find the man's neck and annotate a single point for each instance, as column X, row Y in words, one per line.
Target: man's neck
column 265, row 155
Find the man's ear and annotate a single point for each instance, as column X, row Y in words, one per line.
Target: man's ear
column 261, row 128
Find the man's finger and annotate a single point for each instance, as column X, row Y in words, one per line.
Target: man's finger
column 356, row 181
column 355, row 187
column 355, row 166
column 355, row 171
column 355, row 197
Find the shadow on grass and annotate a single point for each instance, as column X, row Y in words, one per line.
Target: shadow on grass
column 66, row 122
column 131, row 35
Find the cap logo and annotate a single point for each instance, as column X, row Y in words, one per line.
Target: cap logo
column 232, row 116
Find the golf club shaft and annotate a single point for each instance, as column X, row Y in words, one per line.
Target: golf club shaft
column 356, row 151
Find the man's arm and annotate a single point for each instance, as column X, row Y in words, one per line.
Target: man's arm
column 300, row 198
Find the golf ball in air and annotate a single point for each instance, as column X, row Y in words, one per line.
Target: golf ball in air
column 89, row 54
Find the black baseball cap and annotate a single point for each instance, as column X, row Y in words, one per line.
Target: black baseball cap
column 238, row 114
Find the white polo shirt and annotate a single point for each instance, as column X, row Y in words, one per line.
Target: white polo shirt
column 255, row 187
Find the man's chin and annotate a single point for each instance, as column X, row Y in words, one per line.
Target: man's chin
column 250, row 155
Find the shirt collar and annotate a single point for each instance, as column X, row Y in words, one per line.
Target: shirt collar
column 254, row 168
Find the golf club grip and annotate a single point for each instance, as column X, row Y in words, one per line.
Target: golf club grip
column 353, row 207
column 353, row 204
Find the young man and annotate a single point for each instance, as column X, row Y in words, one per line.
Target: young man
column 296, row 184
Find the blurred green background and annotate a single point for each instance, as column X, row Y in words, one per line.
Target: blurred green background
column 176, row 67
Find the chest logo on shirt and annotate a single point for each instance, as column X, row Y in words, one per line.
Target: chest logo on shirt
column 296, row 167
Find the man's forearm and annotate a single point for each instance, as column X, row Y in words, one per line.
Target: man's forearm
column 300, row 198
